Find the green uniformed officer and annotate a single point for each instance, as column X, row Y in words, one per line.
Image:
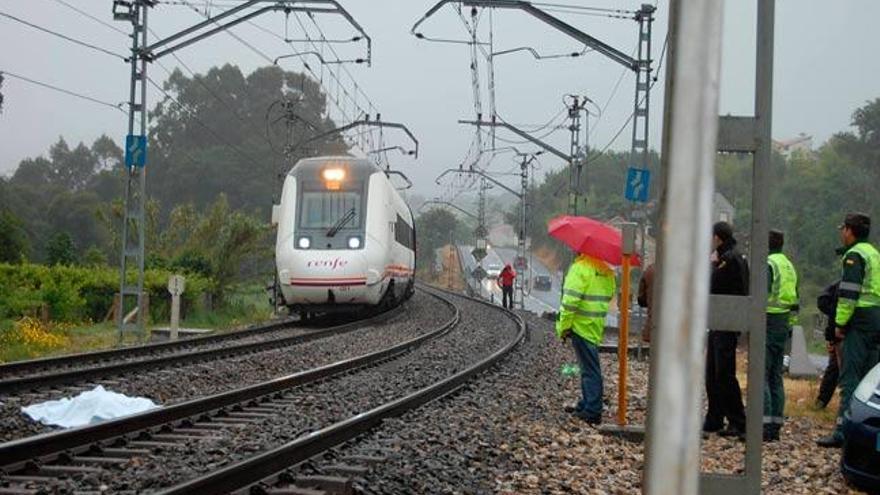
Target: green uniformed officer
column 782, row 307
column 858, row 313
column 586, row 293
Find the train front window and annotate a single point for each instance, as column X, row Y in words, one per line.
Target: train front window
column 327, row 210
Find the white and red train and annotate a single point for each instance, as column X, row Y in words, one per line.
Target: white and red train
column 346, row 239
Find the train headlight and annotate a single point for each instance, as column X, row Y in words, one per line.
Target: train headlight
column 304, row 243
column 354, row 242
column 333, row 178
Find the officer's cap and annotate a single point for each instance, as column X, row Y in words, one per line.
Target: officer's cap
column 859, row 223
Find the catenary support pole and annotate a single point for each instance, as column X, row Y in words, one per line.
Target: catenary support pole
column 672, row 453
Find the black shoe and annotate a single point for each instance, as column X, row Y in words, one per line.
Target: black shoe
column 770, row 435
column 570, row 409
column 712, row 427
column 590, row 420
column 832, row 441
column 732, row 431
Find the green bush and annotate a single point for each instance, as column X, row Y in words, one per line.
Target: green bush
column 76, row 293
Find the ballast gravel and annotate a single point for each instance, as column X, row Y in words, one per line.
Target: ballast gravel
column 480, row 333
column 168, row 386
column 507, row 433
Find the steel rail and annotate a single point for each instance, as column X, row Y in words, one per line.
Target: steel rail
column 242, row 475
column 17, row 454
column 133, row 351
column 75, row 375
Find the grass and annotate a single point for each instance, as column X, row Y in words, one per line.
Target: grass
column 800, row 397
column 30, row 339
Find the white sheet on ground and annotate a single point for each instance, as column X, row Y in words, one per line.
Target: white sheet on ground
column 91, row 406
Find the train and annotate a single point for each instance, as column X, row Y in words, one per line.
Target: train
column 346, row 239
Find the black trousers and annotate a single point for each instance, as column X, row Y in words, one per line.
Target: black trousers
column 507, row 296
column 829, row 378
column 722, row 387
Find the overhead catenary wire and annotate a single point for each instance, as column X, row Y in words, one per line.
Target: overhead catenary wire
column 117, row 106
column 260, row 52
column 62, row 36
column 90, row 16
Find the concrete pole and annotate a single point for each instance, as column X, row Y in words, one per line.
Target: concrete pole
column 672, row 453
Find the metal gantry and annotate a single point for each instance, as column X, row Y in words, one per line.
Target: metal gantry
column 136, row 12
column 641, row 66
column 132, row 236
column 684, row 308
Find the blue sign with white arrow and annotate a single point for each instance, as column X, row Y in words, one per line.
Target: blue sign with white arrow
column 638, row 180
column 135, row 151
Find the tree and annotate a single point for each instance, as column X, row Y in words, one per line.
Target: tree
column 240, row 154
column 13, row 241
column 60, row 250
column 434, row 229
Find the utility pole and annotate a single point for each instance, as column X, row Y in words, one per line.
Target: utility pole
column 576, row 161
column 526, row 160
column 135, row 12
column 132, row 240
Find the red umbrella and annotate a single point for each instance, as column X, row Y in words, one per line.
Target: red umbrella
column 590, row 237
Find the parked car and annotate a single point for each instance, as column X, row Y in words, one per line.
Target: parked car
column 860, row 461
column 493, row 270
column 543, row 282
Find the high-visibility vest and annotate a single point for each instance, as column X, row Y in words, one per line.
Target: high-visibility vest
column 783, row 295
column 586, row 293
column 869, row 291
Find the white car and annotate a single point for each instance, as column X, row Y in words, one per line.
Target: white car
column 493, row 270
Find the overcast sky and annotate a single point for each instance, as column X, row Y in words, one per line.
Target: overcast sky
column 822, row 71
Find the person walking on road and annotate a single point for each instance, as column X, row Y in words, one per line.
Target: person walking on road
column 730, row 275
column 505, row 280
column 827, row 304
column 586, row 293
column 857, row 319
column 782, row 308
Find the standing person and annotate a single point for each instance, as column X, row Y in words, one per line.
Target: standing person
column 782, row 308
column 827, row 304
column 505, row 279
column 730, row 275
column 857, row 319
column 646, row 300
column 586, row 293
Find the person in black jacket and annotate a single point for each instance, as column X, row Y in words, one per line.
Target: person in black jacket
column 730, row 275
column 827, row 304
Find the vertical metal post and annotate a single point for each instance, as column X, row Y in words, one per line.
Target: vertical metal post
column 642, row 103
column 132, row 246
column 672, row 453
column 759, row 249
column 574, row 178
column 521, row 243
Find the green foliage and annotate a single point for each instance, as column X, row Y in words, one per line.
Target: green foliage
column 60, row 250
column 190, row 164
column 79, row 293
column 435, row 228
column 602, row 186
column 13, row 241
column 94, row 256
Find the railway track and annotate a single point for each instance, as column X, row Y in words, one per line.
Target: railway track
column 77, row 368
column 201, row 433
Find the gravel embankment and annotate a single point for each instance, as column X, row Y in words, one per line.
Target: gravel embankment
column 422, row 313
column 479, row 333
column 508, row 433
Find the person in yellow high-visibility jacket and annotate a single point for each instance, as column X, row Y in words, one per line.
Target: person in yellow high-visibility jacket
column 586, row 293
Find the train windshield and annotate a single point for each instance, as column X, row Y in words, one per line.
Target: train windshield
column 339, row 210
